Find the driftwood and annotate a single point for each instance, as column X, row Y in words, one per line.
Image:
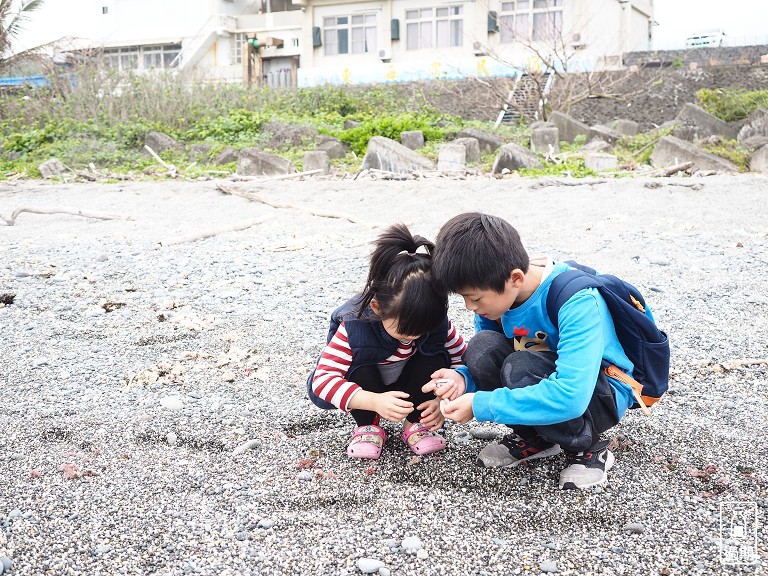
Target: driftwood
column 674, row 169
column 213, row 232
column 63, row 210
column 734, row 364
column 172, row 170
column 544, row 182
column 280, row 177
column 321, row 213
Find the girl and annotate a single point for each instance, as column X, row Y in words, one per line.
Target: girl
column 383, row 346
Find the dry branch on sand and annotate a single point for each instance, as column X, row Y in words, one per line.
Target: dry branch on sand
column 62, row 210
column 214, row 232
column 322, row 213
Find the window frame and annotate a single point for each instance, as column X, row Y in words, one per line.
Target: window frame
column 355, row 33
column 434, row 27
column 524, row 24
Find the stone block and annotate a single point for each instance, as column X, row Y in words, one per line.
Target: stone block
column 333, row 147
column 513, row 157
column 670, row 151
column 756, row 125
column 349, row 124
column 759, row 160
column 51, row 168
column 227, row 155
column 601, row 162
column 254, row 162
column 705, row 124
column 452, row 158
column 545, row 139
column 472, row 147
column 160, row 141
column 199, row 153
column 625, row 127
column 596, row 145
column 385, row 154
column 413, row 139
column 605, row 133
column 568, row 126
column 317, row 160
column 488, row 142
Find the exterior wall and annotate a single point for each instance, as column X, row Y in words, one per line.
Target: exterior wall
column 594, row 35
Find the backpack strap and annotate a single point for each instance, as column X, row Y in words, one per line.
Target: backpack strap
column 564, row 286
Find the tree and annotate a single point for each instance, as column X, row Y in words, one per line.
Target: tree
column 13, row 15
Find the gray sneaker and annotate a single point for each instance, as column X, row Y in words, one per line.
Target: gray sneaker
column 587, row 469
column 512, row 449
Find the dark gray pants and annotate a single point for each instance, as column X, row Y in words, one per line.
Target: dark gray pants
column 494, row 363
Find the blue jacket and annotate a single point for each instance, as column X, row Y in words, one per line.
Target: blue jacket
column 585, row 338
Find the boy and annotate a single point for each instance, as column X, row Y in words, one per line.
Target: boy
column 521, row 370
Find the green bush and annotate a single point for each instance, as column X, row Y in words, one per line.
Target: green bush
column 732, row 104
column 390, row 127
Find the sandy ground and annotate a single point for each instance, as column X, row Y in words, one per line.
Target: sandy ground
column 159, row 488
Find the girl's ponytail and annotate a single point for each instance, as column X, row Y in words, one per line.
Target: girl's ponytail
column 400, row 280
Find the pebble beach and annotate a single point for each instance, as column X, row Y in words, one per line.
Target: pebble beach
column 153, row 410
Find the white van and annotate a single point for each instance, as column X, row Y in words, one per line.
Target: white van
column 707, row 38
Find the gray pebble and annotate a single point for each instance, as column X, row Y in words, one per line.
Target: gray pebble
column 384, row 571
column 6, row 563
column 411, row 543
column 171, row 438
column 305, row 475
column 484, row 433
column 101, row 549
column 266, row 524
column 548, row 566
column 634, row 527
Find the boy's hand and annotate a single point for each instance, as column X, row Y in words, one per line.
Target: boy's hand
column 459, row 410
column 446, row 384
column 391, row 406
column 431, row 415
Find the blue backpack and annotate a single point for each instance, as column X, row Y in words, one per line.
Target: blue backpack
column 645, row 345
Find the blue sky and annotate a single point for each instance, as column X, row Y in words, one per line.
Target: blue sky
column 745, row 21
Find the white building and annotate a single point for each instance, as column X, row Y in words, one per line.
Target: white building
column 312, row 42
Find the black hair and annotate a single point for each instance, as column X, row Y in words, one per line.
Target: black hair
column 475, row 250
column 400, row 279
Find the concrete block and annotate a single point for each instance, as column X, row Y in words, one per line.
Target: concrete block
column 513, row 157
column 705, row 123
column 317, row 160
column 333, row 147
column 385, row 154
column 601, row 162
column 596, row 145
column 472, row 147
column 160, row 141
column 625, row 127
column 605, row 133
column 452, row 158
column 488, row 142
column 349, row 124
column 759, row 160
column 568, row 126
column 51, row 168
column 670, row 150
column 413, row 139
column 227, row 155
column 254, row 162
column 545, row 139
column 756, row 125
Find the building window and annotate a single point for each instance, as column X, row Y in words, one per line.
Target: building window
column 526, row 20
column 440, row 27
column 105, row 9
column 355, row 34
column 144, row 57
column 236, row 48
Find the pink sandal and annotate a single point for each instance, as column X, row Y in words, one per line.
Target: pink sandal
column 367, row 442
column 422, row 440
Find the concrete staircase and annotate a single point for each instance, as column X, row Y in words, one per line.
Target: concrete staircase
column 526, row 100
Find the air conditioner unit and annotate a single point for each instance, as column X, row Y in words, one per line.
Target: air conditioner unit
column 385, row 55
column 478, row 49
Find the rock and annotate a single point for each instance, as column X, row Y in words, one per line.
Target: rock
column 484, row 433
column 596, row 145
column 413, row 139
column 670, row 150
column 548, row 566
column 385, row 154
column 160, row 141
column 754, row 142
column 601, row 162
column 704, row 124
column 249, row 445
column 472, row 146
column 422, row 554
column 545, row 139
column 266, row 524
column 333, row 147
column 6, row 563
column 51, row 168
column 755, row 126
column 227, row 155
column 172, row 403
column 759, row 160
column 411, row 543
column 488, row 142
column 452, row 158
column 287, row 135
column 634, row 527
column 254, row 162
column 569, row 128
column 513, row 157
column 200, row 153
column 601, row 132
column 625, row 127
column 369, row 565
column 171, row 438
column 317, row 160
column 349, row 124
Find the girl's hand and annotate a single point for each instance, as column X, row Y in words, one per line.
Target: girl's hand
column 459, row 410
column 431, row 416
column 392, row 406
column 446, row 384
